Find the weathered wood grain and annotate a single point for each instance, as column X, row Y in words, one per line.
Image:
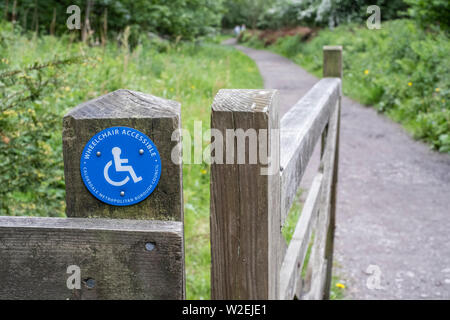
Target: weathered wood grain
column 245, row 204
column 155, row 117
column 332, row 62
column 301, row 127
column 127, row 259
column 290, row 274
column 248, row 210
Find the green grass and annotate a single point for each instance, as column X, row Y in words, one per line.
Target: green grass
column 187, row 72
column 294, row 213
column 401, row 70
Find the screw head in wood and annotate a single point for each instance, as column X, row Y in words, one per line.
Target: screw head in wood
column 149, row 246
column 99, row 153
column 122, row 193
column 90, row 283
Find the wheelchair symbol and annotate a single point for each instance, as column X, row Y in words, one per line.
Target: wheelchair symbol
column 116, row 151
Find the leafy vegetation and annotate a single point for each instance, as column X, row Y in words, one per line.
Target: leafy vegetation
column 401, row 69
column 249, row 12
column 430, row 12
column 175, row 18
column 290, row 13
column 30, row 130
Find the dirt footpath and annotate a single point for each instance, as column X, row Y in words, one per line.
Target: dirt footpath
column 393, row 212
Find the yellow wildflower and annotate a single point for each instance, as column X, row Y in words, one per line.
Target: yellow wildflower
column 410, row 84
column 437, row 89
column 193, row 87
column 340, row 285
column 366, row 72
column 203, row 171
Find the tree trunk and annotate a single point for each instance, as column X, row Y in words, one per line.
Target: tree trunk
column 6, row 10
column 104, row 34
column 86, row 27
column 25, row 19
column 53, row 24
column 36, row 18
column 13, row 17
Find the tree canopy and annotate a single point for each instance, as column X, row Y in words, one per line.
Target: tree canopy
column 174, row 18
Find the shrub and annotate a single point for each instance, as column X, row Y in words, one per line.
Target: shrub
column 30, row 168
column 326, row 12
column 434, row 12
column 401, row 69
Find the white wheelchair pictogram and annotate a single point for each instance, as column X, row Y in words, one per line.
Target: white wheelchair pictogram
column 116, row 151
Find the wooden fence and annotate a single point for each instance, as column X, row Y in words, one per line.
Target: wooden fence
column 250, row 201
column 137, row 252
column 119, row 252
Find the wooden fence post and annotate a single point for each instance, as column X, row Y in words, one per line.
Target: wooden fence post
column 332, row 62
column 245, row 204
column 136, row 254
column 155, row 117
column 332, row 67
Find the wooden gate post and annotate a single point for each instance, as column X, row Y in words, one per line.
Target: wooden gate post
column 245, row 203
column 249, row 255
column 157, row 118
column 136, row 254
column 332, row 67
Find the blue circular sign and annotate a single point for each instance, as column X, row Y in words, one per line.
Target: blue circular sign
column 120, row 166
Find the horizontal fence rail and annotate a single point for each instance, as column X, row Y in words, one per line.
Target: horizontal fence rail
column 316, row 211
column 250, row 202
column 301, row 128
column 115, row 259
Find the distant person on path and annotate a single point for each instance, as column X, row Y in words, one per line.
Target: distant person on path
column 243, row 28
column 237, row 31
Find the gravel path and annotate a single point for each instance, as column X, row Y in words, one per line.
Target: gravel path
column 393, row 211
